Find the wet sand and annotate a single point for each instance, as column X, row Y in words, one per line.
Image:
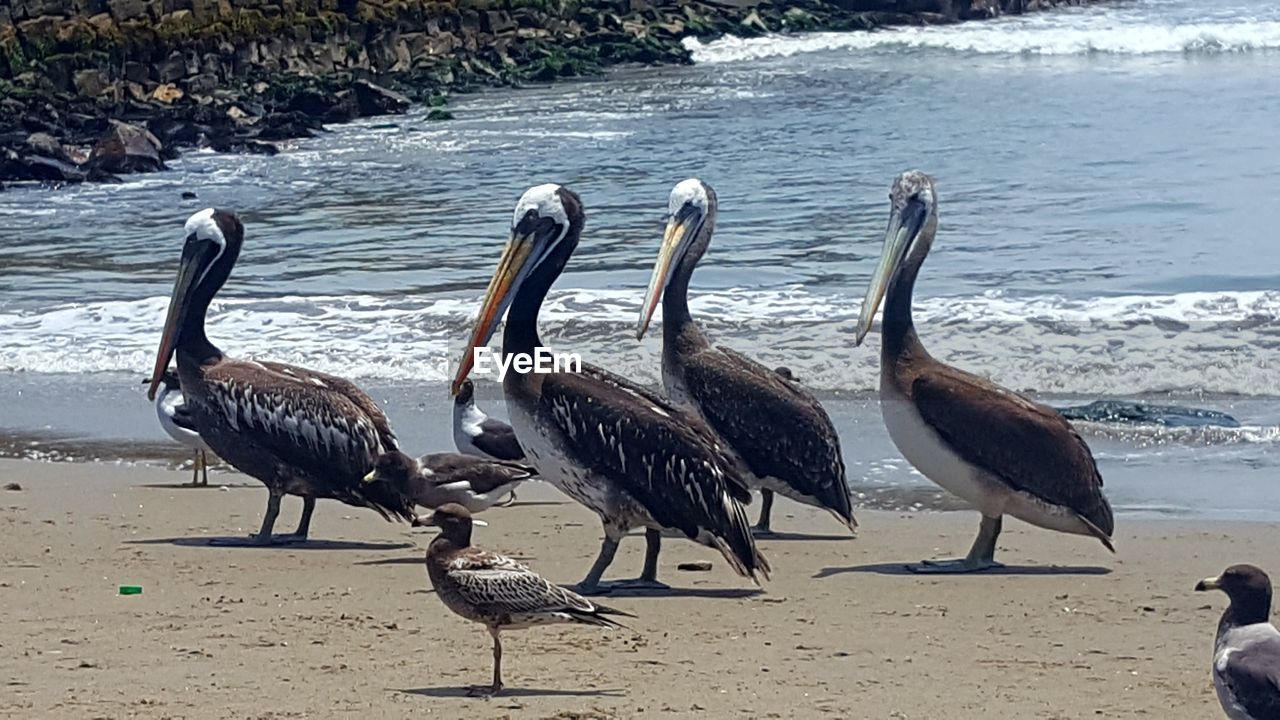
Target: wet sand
column 346, row 626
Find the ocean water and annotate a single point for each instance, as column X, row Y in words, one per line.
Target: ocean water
column 1108, row 209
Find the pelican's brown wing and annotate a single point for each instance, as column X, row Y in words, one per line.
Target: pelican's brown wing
column 1028, row 445
column 315, row 425
column 664, row 458
column 778, row 429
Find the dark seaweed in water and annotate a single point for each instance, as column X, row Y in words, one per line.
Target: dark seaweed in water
column 1115, row 411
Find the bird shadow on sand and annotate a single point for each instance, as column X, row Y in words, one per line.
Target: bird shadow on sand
column 510, row 692
column 207, row 541
column 903, row 569
column 677, row 592
column 411, row 560
column 786, row 536
column 189, row 486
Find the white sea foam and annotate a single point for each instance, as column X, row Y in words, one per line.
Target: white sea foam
column 1190, row 342
column 1103, row 31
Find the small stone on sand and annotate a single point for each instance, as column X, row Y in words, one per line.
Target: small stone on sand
column 695, row 566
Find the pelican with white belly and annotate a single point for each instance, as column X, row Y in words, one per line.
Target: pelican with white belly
column 1001, row 452
column 625, row 452
column 298, row 431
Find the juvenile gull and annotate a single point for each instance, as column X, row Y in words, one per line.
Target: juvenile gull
column 1246, row 651
column 498, row 592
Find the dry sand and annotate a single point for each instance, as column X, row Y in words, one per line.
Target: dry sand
column 346, row 626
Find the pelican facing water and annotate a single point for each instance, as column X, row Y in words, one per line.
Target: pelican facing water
column 999, row 451
column 776, row 428
column 626, row 453
column 298, row 431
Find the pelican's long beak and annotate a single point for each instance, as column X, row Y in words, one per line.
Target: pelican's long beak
column 512, row 269
column 1207, row 584
column 679, row 229
column 904, row 224
column 196, row 256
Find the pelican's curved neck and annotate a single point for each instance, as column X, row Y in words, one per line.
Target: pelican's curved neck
column 193, row 344
column 898, row 333
column 520, row 335
column 679, row 332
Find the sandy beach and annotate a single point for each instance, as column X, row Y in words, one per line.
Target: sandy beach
column 346, row 625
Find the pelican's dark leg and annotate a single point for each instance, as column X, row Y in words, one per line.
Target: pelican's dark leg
column 195, row 469
column 590, row 585
column 204, row 468
column 648, row 580
column 264, row 536
column 304, row 522
column 496, row 687
column 981, row 556
column 766, row 509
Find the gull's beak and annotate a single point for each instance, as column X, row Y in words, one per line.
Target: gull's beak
column 196, row 256
column 481, row 523
column 1207, row 584
column 904, row 225
column 506, row 280
column 371, row 477
column 679, row 228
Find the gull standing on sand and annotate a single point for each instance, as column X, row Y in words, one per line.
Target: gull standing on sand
column 778, row 430
column 999, row 451
column 442, row 478
column 1246, row 650
column 625, row 452
column 498, row 592
column 176, row 420
column 298, row 431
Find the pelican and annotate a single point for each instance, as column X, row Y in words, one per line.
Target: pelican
column 176, row 420
column 777, row 429
column 298, row 431
column 498, row 592
column 1246, row 650
column 622, row 451
column 999, row 451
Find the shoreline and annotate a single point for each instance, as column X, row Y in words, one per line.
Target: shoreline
column 87, row 98
column 347, row 624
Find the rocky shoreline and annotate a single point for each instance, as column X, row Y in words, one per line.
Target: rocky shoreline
column 93, row 89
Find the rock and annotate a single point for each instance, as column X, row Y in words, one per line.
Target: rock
column 89, row 83
column 45, row 145
column 377, row 100
column 122, row 10
column 13, row 485
column 695, row 566
column 188, row 195
column 438, row 114
column 127, row 148
column 167, row 94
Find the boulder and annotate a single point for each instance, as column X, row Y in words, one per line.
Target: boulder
column 122, row 10
column 45, row 145
column 376, row 100
column 90, row 83
column 126, row 148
